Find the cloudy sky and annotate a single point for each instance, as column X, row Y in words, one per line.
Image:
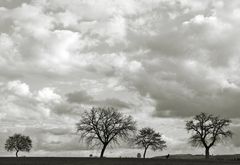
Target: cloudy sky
column 161, row 61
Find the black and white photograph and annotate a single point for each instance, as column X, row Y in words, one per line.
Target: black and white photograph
column 120, row 82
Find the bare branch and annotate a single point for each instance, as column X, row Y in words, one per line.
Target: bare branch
column 208, row 130
column 102, row 126
column 147, row 137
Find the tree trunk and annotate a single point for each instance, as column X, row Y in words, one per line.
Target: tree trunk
column 144, row 154
column 207, row 152
column 103, row 149
column 17, row 153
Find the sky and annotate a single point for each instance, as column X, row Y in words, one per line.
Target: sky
column 160, row 61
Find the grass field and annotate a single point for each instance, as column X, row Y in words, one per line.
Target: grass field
column 107, row 161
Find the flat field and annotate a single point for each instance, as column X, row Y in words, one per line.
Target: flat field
column 108, row 161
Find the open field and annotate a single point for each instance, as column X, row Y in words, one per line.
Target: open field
column 190, row 156
column 107, row 161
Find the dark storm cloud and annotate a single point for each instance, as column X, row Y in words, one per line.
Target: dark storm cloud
column 112, row 102
column 79, row 97
column 82, row 97
column 187, row 90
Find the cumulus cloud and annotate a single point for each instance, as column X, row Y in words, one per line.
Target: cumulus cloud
column 19, row 88
column 162, row 60
column 48, row 95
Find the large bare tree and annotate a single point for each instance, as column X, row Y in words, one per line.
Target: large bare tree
column 101, row 126
column 147, row 137
column 208, row 130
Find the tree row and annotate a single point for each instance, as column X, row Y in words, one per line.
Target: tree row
column 100, row 127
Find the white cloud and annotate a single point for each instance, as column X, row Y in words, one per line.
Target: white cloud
column 47, row 95
column 9, row 51
column 19, row 88
column 154, row 58
column 68, row 19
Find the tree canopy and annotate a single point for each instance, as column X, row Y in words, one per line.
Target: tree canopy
column 207, row 130
column 17, row 143
column 101, row 126
column 147, row 137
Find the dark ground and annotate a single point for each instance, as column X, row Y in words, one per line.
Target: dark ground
column 108, row 161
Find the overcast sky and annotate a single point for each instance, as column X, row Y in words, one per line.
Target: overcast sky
column 161, row 61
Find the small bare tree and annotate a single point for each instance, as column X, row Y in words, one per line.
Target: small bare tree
column 18, row 142
column 207, row 131
column 101, row 126
column 147, row 137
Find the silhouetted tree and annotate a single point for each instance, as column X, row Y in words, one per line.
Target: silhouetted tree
column 147, row 137
column 101, row 126
column 207, row 131
column 18, row 142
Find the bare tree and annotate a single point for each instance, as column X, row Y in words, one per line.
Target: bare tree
column 147, row 137
column 18, row 142
column 101, row 126
column 207, row 131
